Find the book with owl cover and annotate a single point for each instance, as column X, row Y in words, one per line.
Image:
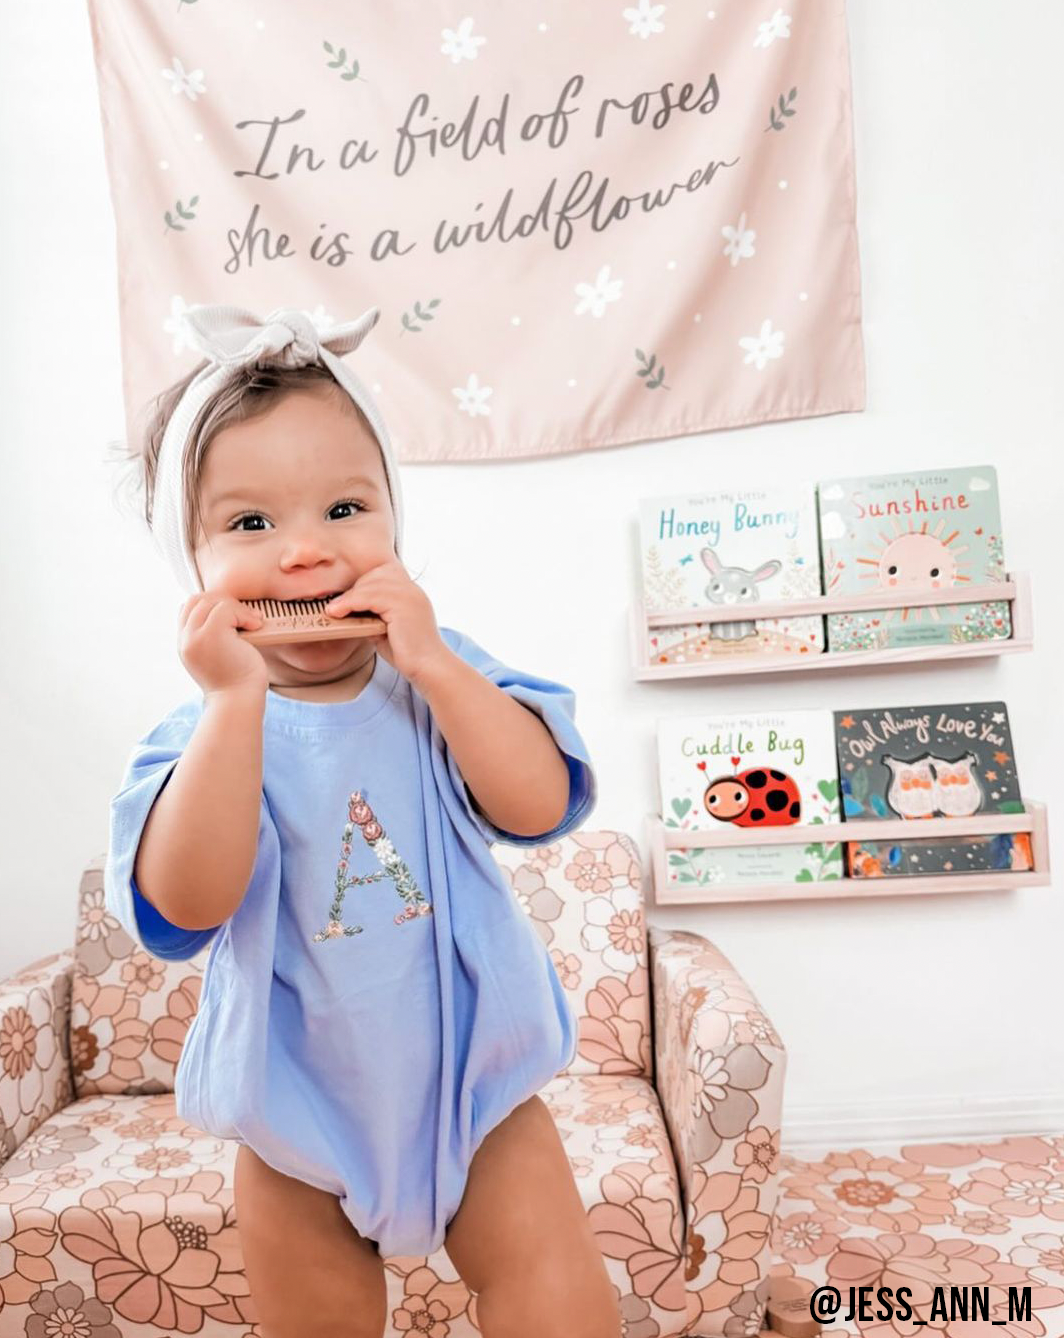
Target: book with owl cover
column 922, row 531
column 770, row 769
column 915, row 762
column 723, row 548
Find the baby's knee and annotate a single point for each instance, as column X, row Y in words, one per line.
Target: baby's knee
column 551, row 1303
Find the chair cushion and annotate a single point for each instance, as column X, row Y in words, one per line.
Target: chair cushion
column 121, row 1201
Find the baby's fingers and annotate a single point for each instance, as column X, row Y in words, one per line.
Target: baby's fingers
column 247, row 616
column 229, row 612
column 195, row 611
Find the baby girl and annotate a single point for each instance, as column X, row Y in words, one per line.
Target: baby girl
column 377, row 1012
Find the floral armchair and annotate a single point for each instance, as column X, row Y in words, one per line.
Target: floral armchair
column 117, row 1218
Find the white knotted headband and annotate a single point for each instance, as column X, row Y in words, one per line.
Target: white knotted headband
column 232, row 339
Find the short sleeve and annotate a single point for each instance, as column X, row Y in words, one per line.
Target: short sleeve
column 150, row 766
column 555, row 704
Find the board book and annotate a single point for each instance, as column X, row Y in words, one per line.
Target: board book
column 724, row 549
column 917, row 762
column 753, row 771
column 921, row 531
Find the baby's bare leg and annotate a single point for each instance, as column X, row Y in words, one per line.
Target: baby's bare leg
column 310, row 1272
column 522, row 1241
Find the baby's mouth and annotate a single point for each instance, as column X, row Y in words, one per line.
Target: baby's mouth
column 315, row 599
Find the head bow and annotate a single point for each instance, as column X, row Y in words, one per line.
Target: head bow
column 231, row 339
column 235, row 338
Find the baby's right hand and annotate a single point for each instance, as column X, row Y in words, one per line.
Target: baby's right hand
column 212, row 651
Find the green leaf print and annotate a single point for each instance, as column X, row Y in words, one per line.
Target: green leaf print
column 783, row 109
column 410, row 322
column 341, row 61
column 653, row 382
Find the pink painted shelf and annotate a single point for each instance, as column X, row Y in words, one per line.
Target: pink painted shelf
column 662, row 839
column 1016, row 591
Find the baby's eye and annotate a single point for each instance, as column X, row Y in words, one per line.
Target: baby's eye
column 350, row 502
column 250, row 515
column 238, row 523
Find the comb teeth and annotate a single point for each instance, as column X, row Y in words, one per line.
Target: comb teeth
column 283, row 608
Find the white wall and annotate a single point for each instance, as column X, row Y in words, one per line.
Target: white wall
column 904, row 1015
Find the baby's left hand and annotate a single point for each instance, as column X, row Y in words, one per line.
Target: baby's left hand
column 413, row 643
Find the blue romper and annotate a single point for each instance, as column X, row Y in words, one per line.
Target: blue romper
column 379, row 1000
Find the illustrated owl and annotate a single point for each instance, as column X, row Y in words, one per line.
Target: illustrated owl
column 958, row 793
column 912, row 787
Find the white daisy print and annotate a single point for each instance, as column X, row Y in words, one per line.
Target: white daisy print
column 740, row 240
column 383, row 849
column 594, row 296
column 779, row 25
column 613, row 928
column 176, row 326
column 189, row 82
column 708, row 1081
column 472, row 397
column 637, row 1139
column 760, row 347
column 643, row 20
column 459, row 43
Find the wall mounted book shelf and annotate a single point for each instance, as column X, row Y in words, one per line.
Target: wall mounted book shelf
column 1016, row 591
column 662, row 839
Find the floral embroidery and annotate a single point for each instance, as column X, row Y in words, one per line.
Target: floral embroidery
column 392, row 866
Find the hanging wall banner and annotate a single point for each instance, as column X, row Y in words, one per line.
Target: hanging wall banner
column 583, row 224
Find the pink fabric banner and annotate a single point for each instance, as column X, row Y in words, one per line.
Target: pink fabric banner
column 584, row 224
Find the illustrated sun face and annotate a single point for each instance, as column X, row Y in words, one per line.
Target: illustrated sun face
column 915, row 559
column 726, row 799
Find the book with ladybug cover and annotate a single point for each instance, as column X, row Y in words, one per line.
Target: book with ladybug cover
column 756, row 771
column 937, row 530
column 723, row 548
column 915, row 762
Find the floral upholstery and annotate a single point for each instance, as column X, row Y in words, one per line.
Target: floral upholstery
column 117, row 1218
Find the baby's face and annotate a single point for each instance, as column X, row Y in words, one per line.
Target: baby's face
column 295, row 505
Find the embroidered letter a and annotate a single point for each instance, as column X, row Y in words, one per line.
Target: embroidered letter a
column 392, row 866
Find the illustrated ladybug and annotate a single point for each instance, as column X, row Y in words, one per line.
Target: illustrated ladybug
column 758, row 797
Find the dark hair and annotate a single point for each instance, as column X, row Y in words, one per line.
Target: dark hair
column 245, row 396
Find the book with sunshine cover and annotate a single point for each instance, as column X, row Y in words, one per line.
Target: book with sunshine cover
column 922, row 531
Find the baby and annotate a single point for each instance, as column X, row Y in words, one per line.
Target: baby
column 377, row 1011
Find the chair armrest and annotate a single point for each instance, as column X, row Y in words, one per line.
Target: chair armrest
column 719, row 1069
column 36, row 1080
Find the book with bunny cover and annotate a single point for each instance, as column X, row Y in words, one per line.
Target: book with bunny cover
column 915, row 762
column 725, row 548
column 772, row 769
column 923, row 531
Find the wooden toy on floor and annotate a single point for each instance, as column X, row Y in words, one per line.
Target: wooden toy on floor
column 787, row 1311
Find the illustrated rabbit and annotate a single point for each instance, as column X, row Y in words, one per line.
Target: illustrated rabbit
column 734, row 585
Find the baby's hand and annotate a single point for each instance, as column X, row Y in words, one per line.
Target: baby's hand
column 413, row 643
column 211, row 650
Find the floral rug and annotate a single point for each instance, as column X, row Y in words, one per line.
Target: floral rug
column 964, row 1215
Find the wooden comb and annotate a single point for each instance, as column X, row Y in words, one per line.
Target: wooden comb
column 306, row 620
